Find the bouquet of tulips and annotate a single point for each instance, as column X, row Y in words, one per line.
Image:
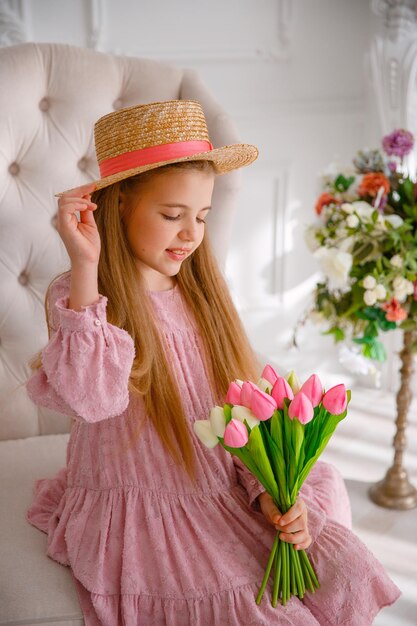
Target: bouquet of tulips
column 278, row 428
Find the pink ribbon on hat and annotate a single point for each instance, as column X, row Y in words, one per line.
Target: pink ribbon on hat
column 153, row 154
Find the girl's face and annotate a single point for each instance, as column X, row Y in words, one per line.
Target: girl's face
column 164, row 222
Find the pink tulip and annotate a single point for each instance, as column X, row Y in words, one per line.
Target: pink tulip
column 281, row 390
column 269, row 374
column 236, row 434
column 313, row 389
column 262, row 404
column 233, row 394
column 335, row 400
column 301, row 408
column 246, row 393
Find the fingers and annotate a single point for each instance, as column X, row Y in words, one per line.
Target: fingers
column 294, row 526
column 269, row 509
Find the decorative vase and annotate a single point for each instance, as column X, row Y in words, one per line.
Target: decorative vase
column 395, row 491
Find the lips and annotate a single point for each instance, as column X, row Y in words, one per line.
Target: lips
column 178, row 254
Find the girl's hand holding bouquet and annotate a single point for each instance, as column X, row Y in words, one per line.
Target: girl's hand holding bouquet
column 278, row 429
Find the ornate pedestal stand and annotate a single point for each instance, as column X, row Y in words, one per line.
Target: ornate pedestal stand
column 395, row 491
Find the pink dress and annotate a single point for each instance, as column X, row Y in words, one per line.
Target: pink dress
column 145, row 547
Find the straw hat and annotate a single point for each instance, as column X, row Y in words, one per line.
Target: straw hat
column 147, row 136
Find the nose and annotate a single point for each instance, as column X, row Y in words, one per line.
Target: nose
column 188, row 232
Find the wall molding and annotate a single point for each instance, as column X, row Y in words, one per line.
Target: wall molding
column 277, row 50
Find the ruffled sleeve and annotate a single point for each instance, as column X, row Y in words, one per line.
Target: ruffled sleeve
column 86, row 364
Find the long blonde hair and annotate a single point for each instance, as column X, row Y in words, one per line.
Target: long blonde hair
column 227, row 351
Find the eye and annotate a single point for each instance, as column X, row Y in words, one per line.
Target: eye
column 170, row 217
column 200, row 220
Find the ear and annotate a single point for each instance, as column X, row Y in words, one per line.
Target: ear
column 122, row 203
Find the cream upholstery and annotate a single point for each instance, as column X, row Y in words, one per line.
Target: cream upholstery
column 50, row 96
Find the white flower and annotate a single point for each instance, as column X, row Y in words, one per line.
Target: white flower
column 363, row 209
column 402, row 288
column 396, row 260
column 395, row 220
column 341, row 232
column 370, row 297
column 264, row 385
column 369, row 282
column 311, row 239
column 352, row 221
column 381, row 292
column 203, row 430
column 242, row 413
column 335, row 264
column 218, row 421
column 347, row 207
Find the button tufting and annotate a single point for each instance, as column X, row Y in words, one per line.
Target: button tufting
column 117, row 104
column 14, row 168
column 83, row 164
column 44, row 104
column 23, row 278
column 97, row 322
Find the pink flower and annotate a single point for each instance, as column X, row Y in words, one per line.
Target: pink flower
column 301, row 408
column 246, row 393
column 262, row 404
column 281, row 390
column 233, row 394
column 335, row 400
column 236, row 434
column 269, row 374
column 399, row 143
column 313, row 389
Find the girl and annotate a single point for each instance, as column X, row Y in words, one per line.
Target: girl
column 144, row 339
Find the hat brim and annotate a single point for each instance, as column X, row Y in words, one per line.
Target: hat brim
column 225, row 160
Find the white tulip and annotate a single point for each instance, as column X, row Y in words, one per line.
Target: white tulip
column 202, row 429
column 239, row 382
column 396, row 260
column 264, row 385
column 369, row 297
column 369, row 282
column 352, row 221
column 381, row 292
column 218, row 421
column 242, row 413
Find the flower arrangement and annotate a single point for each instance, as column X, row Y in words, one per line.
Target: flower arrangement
column 278, row 428
column 365, row 240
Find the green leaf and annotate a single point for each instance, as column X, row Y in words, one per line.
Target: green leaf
column 409, row 324
column 257, row 449
column 338, row 333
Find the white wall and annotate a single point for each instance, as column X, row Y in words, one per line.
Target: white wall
column 296, row 77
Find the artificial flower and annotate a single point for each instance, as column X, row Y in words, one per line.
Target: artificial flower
column 366, row 235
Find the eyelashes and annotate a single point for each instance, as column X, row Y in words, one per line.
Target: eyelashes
column 170, row 218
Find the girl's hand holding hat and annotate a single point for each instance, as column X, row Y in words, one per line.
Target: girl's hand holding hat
column 81, row 237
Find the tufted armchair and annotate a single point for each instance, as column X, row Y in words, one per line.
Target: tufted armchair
column 50, row 97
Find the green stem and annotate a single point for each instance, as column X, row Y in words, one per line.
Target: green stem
column 309, row 567
column 291, row 551
column 299, row 575
column 278, row 564
column 268, row 569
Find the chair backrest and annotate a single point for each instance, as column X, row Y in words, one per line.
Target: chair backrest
column 50, row 97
